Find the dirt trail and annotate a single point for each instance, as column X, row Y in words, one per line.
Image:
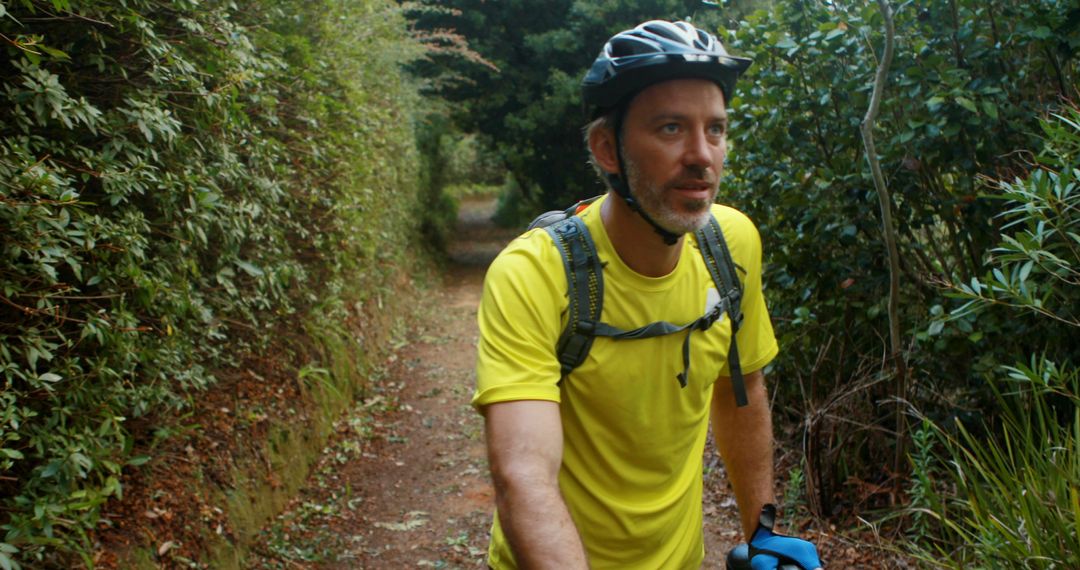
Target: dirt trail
column 404, row 484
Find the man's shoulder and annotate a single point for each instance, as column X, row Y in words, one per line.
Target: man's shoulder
column 526, row 256
column 740, row 234
column 732, row 220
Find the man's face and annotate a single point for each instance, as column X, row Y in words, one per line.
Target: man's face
column 674, row 143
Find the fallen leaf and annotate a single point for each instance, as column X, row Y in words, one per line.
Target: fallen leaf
column 413, row 520
column 165, row 547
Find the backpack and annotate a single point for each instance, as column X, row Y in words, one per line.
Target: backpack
column 585, row 282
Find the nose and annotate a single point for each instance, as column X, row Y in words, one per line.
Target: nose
column 699, row 150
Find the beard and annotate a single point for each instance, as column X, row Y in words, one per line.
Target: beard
column 690, row 215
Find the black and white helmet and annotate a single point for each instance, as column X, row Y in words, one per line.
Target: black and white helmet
column 653, row 52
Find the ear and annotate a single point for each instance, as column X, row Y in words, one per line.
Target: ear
column 602, row 145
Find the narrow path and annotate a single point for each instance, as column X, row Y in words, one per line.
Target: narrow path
column 405, row 482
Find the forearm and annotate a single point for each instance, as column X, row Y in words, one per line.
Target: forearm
column 525, row 454
column 538, row 526
column 745, row 441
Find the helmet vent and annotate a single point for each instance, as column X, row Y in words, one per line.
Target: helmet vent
column 652, row 52
column 624, row 46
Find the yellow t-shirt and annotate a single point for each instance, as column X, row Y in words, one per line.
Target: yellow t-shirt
column 634, row 440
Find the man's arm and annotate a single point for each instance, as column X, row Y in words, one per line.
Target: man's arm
column 525, row 445
column 745, row 439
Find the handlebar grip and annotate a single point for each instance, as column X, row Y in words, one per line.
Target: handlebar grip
column 738, row 558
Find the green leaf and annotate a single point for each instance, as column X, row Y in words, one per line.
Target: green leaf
column 12, row 453
column 82, row 460
column 249, row 268
column 50, row 470
column 835, row 33
column 934, row 102
column 1025, row 270
column 137, row 461
column 786, row 43
column 967, row 104
column 50, row 377
column 55, row 53
column 990, row 109
column 935, row 328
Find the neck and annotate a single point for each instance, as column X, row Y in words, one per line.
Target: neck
column 636, row 242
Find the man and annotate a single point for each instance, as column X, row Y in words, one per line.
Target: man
column 602, row 468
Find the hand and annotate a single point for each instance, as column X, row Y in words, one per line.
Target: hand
column 768, row 550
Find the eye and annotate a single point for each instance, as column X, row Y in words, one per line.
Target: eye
column 717, row 130
column 670, row 128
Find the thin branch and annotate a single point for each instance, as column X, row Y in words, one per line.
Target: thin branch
column 888, row 229
column 39, row 312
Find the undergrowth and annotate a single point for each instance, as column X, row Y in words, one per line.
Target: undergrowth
column 178, row 177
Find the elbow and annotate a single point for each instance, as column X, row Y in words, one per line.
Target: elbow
column 518, row 479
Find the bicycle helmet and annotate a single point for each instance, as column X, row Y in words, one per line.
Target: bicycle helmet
column 653, row 52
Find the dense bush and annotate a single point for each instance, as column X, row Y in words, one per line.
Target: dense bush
column 177, row 178
column 966, row 87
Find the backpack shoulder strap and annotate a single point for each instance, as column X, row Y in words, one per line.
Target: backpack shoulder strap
column 585, row 286
column 722, row 269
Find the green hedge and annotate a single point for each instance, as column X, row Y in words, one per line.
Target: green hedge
column 177, row 177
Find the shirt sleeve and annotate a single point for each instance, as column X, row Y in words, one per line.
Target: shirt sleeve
column 519, row 320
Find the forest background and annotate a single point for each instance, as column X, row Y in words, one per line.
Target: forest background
column 186, row 182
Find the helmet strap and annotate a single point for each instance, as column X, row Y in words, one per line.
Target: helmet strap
column 622, row 186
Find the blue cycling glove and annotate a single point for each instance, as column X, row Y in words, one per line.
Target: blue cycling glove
column 768, row 550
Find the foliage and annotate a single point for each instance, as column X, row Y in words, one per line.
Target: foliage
column 432, row 133
column 923, row 496
column 526, row 104
column 1016, row 476
column 966, row 86
column 1015, row 498
column 1037, row 267
column 177, row 179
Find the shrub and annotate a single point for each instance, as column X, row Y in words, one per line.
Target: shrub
column 797, row 166
column 177, row 178
column 1006, row 490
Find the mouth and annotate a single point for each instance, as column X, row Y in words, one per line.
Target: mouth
column 698, row 189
